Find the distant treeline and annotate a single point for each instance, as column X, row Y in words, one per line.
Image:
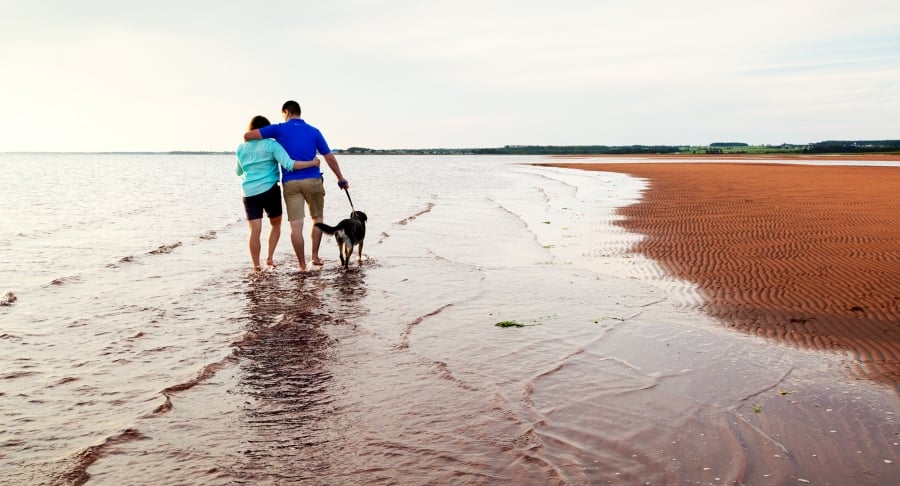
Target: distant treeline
column 528, row 150
column 578, row 150
column 728, row 144
column 839, row 146
column 853, row 146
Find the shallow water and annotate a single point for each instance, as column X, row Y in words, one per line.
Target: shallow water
column 135, row 349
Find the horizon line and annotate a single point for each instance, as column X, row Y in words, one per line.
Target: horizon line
column 509, row 146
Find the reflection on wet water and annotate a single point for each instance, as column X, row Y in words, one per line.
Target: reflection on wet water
column 283, row 366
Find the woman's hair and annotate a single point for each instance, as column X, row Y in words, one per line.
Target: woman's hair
column 258, row 122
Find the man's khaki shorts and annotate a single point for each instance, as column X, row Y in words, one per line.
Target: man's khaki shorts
column 304, row 191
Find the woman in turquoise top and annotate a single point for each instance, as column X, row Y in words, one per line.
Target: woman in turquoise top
column 257, row 164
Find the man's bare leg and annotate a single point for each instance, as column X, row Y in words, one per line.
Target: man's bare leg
column 297, row 242
column 274, row 235
column 316, row 240
column 253, row 242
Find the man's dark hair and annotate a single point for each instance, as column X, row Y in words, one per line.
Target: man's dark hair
column 292, row 107
column 258, row 122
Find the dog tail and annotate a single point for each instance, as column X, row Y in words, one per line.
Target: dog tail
column 326, row 229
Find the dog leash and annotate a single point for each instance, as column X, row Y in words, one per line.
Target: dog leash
column 347, row 190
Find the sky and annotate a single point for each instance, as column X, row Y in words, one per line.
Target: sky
column 119, row 75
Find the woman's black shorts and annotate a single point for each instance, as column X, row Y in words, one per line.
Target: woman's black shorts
column 269, row 201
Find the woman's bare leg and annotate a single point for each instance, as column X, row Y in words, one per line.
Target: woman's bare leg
column 274, row 235
column 253, row 242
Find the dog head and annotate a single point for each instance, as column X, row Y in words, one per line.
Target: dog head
column 359, row 215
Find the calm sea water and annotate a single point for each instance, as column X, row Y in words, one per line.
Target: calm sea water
column 136, row 350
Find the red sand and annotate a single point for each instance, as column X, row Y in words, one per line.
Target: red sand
column 809, row 255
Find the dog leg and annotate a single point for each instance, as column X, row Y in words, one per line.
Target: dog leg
column 359, row 255
column 341, row 251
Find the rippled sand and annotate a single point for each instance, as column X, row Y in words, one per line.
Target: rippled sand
column 809, row 255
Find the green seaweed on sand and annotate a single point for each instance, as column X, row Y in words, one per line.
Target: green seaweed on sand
column 515, row 324
column 509, row 324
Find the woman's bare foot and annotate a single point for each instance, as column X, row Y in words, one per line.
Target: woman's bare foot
column 271, row 262
column 318, row 261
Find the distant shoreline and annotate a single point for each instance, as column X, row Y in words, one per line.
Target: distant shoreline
column 716, row 148
column 829, row 147
column 173, row 152
column 774, row 157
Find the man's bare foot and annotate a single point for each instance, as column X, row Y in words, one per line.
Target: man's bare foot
column 302, row 267
column 318, row 261
column 271, row 262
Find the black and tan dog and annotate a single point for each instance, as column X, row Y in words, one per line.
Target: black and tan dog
column 348, row 233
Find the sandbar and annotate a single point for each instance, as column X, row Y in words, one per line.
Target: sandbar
column 808, row 255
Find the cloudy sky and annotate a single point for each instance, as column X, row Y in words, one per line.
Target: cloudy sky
column 117, row 75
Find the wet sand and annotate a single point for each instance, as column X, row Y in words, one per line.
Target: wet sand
column 808, row 255
column 138, row 351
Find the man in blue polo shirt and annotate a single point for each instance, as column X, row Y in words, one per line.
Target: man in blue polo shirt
column 302, row 187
